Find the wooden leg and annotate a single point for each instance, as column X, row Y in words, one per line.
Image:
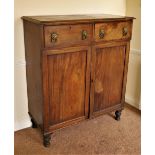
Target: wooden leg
column 46, row 140
column 34, row 125
column 117, row 115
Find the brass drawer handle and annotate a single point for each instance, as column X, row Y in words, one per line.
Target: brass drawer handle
column 84, row 34
column 101, row 33
column 125, row 31
column 54, row 37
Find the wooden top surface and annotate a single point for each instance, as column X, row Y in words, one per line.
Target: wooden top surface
column 76, row 18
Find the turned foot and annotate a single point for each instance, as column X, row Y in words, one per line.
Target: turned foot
column 46, row 140
column 117, row 115
column 34, row 125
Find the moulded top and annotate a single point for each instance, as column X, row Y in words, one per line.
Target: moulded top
column 47, row 19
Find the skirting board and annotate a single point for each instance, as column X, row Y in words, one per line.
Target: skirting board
column 22, row 124
column 132, row 102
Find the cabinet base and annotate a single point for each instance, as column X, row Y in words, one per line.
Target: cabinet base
column 47, row 137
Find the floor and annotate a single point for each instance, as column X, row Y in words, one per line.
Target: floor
column 100, row 136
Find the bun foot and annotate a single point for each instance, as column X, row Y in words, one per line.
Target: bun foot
column 46, row 140
column 117, row 115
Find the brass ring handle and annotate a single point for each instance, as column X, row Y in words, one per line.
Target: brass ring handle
column 101, row 33
column 125, row 31
column 54, row 37
column 84, row 34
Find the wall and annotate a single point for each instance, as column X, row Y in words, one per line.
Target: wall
column 133, row 8
column 45, row 7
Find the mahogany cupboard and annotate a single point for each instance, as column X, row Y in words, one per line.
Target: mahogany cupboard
column 76, row 67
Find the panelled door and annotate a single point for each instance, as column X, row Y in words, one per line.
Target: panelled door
column 108, row 76
column 67, row 78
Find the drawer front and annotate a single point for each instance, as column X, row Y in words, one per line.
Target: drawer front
column 113, row 31
column 65, row 35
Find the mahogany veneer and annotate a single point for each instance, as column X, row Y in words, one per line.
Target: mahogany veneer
column 76, row 68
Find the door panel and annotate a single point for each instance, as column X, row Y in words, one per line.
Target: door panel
column 67, row 74
column 108, row 76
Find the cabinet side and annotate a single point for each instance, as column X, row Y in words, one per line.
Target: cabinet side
column 33, row 44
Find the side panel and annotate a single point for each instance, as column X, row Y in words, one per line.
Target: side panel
column 33, row 43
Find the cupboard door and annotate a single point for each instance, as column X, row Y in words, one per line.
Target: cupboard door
column 108, row 69
column 68, row 85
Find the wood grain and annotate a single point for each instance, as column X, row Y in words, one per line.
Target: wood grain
column 75, row 19
column 33, row 45
column 74, row 79
column 108, row 76
column 113, row 31
column 67, row 74
column 67, row 35
column 125, row 73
